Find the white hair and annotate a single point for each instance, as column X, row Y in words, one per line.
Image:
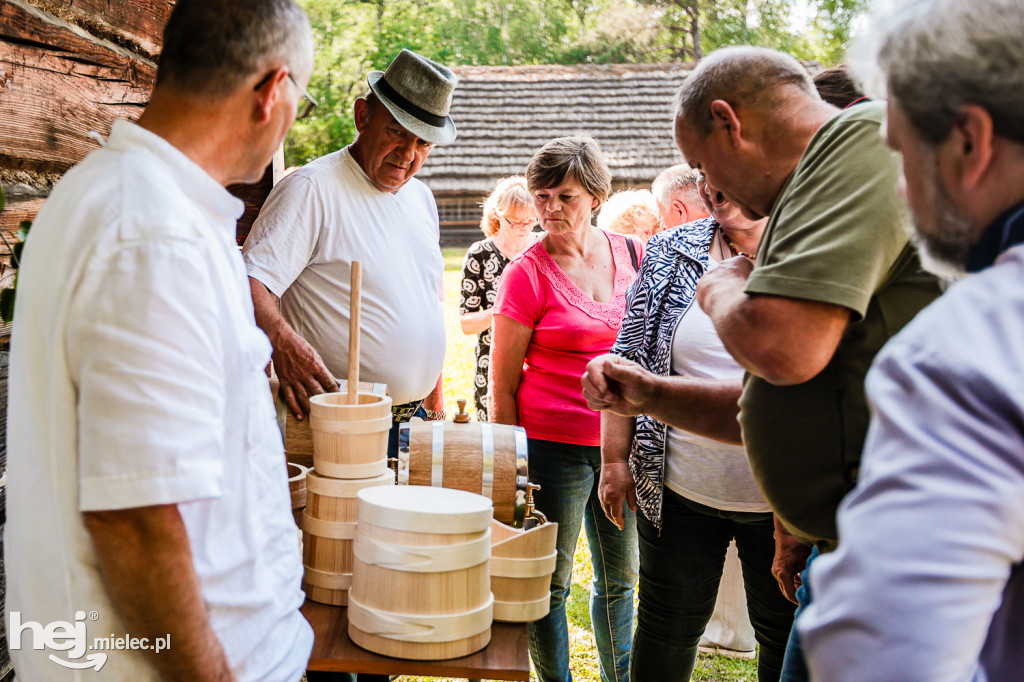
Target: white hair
column 935, row 56
column 679, row 181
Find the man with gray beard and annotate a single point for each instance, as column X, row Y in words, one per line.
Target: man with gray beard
column 927, row 583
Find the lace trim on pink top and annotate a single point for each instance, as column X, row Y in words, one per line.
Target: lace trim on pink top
column 610, row 312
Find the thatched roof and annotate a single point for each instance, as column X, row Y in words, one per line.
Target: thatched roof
column 504, row 114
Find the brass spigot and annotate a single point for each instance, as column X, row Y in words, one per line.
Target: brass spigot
column 531, row 508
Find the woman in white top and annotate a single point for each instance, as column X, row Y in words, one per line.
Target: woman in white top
column 671, row 375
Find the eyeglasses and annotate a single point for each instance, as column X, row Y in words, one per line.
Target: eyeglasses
column 529, row 222
column 305, row 107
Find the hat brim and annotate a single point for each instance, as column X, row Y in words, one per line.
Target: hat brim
column 433, row 134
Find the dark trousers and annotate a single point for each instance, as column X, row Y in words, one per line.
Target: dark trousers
column 679, row 574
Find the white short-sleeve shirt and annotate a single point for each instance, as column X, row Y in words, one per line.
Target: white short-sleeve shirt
column 314, row 224
column 137, row 379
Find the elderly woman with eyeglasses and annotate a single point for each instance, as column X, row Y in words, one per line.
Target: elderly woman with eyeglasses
column 559, row 305
column 508, row 221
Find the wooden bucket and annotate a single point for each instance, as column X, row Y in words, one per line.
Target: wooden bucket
column 328, row 527
column 488, row 459
column 298, row 437
column 420, row 585
column 297, row 487
column 522, row 562
column 350, row 441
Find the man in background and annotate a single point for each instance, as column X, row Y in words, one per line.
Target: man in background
column 361, row 203
column 675, row 190
column 147, row 483
column 928, row 582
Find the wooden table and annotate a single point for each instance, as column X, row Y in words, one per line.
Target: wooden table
column 505, row 658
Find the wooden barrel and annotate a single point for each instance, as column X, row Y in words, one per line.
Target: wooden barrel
column 488, row 459
column 522, row 562
column 350, row 441
column 297, row 487
column 298, row 437
column 420, row 585
column 328, row 527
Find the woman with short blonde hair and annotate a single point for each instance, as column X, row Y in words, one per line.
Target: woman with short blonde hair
column 507, row 222
column 632, row 211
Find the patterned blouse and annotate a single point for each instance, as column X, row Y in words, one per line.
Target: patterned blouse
column 664, row 290
column 480, row 273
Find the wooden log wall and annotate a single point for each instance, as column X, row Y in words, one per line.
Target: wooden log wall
column 68, row 68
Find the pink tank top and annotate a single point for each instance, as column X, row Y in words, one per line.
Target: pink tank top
column 569, row 330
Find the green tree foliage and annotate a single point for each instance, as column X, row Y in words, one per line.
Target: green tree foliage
column 833, row 23
column 354, row 37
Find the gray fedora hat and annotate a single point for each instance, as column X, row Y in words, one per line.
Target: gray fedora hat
column 418, row 93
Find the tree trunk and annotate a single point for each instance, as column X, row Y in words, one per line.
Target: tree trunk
column 698, row 53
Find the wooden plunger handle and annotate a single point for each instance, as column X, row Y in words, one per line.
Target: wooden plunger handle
column 353, row 332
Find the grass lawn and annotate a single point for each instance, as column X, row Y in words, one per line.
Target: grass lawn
column 458, row 383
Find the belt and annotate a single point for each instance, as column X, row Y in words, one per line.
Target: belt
column 403, row 413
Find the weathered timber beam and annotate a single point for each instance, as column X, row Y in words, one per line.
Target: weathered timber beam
column 135, row 24
column 58, row 84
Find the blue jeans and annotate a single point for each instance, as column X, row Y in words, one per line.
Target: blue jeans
column 568, row 476
column 680, row 570
column 794, row 667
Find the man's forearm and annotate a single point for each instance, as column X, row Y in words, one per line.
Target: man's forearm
column 704, row 407
column 145, row 562
column 783, row 340
column 267, row 310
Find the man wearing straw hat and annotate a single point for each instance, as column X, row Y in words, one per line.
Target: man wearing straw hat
column 361, row 203
column 149, row 534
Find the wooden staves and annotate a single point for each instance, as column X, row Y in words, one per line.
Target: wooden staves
column 522, row 562
column 298, row 437
column 297, row 487
column 350, row 440
column 488, row 459
column 328, row 528
column 420, row 580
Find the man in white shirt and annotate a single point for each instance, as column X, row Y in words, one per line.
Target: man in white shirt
column 928, row 581
column 361, row 203
column 148, row 506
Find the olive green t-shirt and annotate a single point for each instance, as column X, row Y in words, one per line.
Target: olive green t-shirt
column 836, row 234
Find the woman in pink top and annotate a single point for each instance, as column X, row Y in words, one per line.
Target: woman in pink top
column 560, row 304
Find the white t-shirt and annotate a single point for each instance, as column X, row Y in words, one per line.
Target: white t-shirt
column 707, row 471
column 136, row 379
column 314, row 224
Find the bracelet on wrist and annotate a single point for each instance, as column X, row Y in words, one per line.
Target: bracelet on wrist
column 433, row 415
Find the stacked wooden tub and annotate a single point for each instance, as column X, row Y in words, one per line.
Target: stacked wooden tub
column 421, row 586
column 349, row 454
